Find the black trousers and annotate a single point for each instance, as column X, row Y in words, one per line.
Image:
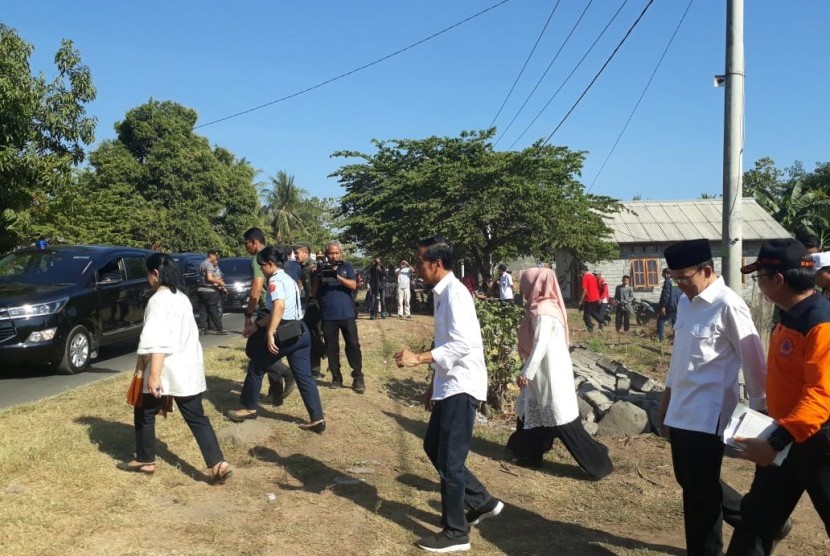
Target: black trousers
column 191, row 408
column 623, row 319
column 447, row 443
column 318, row 347
column 209, row 312
column 591, row 313
column 331, row 332
column 697, row 458
column 775, row 492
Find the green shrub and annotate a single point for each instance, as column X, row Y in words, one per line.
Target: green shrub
column 499, row 332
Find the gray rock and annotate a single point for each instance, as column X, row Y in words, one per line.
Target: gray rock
column 623, row 384
column 623, row 419
column 654, row 419
column 640, row 381
column 362, row 470
column 591, row 428
column 586, row 411
column 599, row 401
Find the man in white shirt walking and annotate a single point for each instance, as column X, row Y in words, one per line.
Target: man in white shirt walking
column 714, row 338
column 404, row 274
column 459, row 384
column 505, row 284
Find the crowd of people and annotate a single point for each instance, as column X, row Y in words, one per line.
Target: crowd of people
column 293, row 301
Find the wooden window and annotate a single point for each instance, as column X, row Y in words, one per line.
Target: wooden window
column 645, row 273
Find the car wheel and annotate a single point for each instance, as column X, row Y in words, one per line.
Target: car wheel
column 77, row 351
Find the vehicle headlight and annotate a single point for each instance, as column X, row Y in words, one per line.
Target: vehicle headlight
column 37, row 309
column 41, row 336
column 239, row 286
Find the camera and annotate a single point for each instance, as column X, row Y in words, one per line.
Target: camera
column 328, row 274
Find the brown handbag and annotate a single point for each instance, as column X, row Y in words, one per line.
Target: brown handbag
column 135, row 391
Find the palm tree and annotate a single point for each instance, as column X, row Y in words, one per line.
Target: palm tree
column 281, row 205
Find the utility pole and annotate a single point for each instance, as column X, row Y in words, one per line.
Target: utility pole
column 733, row 145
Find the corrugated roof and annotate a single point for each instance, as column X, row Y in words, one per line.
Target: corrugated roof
column 669, row 221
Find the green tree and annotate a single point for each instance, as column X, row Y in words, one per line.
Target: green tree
column 159, row 185
column 491, row 205
column 43, row 130
column 281, row 205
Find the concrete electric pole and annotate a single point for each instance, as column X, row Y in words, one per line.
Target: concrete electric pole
column 733, row 146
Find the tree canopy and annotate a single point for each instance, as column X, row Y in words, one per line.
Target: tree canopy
column 43, row 130
column 491, row 205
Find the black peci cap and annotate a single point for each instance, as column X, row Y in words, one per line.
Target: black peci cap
column 687, row 253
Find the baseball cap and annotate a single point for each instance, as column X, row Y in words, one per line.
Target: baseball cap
column 780, row 254
column 822, row 260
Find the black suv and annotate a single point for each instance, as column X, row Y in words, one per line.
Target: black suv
column 238, row 274
column 59, row 304
column 188, row 264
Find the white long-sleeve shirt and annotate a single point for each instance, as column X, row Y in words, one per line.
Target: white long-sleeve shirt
column 458, row 356
column 714, row 338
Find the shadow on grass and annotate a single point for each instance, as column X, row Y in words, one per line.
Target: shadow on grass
column 223, row 394
column 516, row 532
column 117, row 440
column 407, row 391
column 316, row 477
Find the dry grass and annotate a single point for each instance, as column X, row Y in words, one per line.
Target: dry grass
column 61, row 492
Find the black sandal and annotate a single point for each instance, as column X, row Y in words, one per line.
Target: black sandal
column 220, row 478
column 137, row 467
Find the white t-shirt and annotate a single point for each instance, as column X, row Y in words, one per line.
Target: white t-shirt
column 506, row 286
column 169, row 328
column 403, row 277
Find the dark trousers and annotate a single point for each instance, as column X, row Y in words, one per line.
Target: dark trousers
column 591, row 313
column 144, row 418
column 447, row 443
column 661, row 324
column 775, row 491
column 299, row 360
column 331, row 333
column 312, row 320
column 209, row 312
column 623, row 319
column 697, row 458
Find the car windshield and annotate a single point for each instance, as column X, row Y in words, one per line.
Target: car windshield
column 236, row 267
column 44, row 267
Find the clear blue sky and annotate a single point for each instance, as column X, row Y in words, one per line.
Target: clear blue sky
column 223, row 57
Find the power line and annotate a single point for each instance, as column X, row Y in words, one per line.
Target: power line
column 568, row 78
column 642, row 94
column 611, row 57
column 558, row 52
column 351, row 72
column 539, row 38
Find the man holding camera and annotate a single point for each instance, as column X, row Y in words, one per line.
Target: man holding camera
column 333, row 286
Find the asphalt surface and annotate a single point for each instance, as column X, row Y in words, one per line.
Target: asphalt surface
column 24, row 385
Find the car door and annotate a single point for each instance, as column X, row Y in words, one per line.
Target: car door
column 113, row 298
column 138, row 290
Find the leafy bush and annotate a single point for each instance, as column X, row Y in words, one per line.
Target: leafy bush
column 499, row 332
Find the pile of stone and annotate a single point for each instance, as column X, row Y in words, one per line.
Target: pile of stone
column 613, row 399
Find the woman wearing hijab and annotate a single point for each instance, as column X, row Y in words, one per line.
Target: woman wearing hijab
column 170, row 357
column 546, row 408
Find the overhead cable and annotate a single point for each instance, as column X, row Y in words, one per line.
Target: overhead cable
column 594, row 80
column 539, row 38
column 568, row 78
column 642, row 94
column 361, row 68
column 558, row 52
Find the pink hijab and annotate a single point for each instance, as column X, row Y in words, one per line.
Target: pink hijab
column 540, row 289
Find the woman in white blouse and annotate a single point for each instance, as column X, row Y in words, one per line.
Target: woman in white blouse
column 546, row 408
column 170, row 357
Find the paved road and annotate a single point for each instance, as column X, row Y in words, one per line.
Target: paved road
column 18, row 386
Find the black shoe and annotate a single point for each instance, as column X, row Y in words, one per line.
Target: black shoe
column 315, row 373
column 785, row 530
column 317, row 426
column 336, row 381
column 444, row 543
column 531, row 462
column 203, row 332
column 222, row 332
column 490, row 509
column 358, row 385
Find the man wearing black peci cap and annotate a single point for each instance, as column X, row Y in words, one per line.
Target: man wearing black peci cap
column 798, row 398
column 714, row 338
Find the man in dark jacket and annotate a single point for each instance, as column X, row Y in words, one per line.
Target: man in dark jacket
column 667, row 305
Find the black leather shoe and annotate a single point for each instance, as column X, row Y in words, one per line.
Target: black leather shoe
column 316, row 426
column 358, row 385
